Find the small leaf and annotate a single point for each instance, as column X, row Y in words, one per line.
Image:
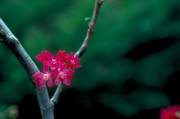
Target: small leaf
column 87, row 19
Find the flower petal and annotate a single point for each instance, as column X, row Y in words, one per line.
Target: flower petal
column 45, row 69
column 42, row 83
column 71, row 55
column 47, row 63
column 69, row 72
column 63, row 67
column 44, row 56
column 50, row 83
column 38, row 75
column 66, row 81
column 61, row 55
column 57, row 81
column 37, row 80
column 170, row 112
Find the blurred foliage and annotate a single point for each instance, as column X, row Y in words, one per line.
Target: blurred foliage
column 132, row 55
column 8, row 112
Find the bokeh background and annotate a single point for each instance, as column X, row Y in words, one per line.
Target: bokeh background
column 130, row 70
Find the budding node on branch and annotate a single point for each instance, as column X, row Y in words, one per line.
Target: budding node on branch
column 91, row 25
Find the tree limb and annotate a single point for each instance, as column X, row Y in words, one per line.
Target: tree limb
column 56, row 96
column 15, row 46
column 84, row 45
column 90, row 30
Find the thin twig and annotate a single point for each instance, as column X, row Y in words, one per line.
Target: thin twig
column 15, row 46
column 90, row 30
column 57, row 93
column 84, row 45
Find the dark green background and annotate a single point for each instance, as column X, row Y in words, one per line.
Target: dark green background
column 130, row 68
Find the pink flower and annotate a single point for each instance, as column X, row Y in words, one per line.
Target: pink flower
column 42, row 78
column 172, row 112
column 60, row 66
column 48, row 59
column 73, row 61
column 63, row 75
column 61, row 56
column 44, row 56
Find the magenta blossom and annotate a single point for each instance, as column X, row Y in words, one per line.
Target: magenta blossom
column 48, row 59
column 63, row 75
column 172, row 112
column 61, row 68
column 42, row 78
column 73, row 61
column 62, row 56
column 44, row 56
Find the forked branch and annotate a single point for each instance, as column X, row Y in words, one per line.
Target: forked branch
column 90, row 30
column 46, row 105
column 15, row 46
column 84, row 45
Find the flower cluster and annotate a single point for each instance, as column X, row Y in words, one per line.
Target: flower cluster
column 172, row 112
column 60, row 68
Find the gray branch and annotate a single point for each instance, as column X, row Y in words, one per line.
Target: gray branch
column 84, row 45
column 90, row 30
column 56, row 96
column 15, row 46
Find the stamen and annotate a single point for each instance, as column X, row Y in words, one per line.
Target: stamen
column 46, row 77
column 62, row 75
column 72, row 62
column 53, row 61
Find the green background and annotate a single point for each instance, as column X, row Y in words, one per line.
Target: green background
column 132, row 62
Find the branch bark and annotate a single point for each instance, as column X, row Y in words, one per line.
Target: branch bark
column 84, row 45
column 56, row 96
column 90, row 30
column 15, row 46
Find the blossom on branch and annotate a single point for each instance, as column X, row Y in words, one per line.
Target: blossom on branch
column 62, row 56
column 63, row 75
column 61, row 68
column 73, row 61
column 172, row 112
column 45, row 56
column 48, row 58
column 41, row 78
